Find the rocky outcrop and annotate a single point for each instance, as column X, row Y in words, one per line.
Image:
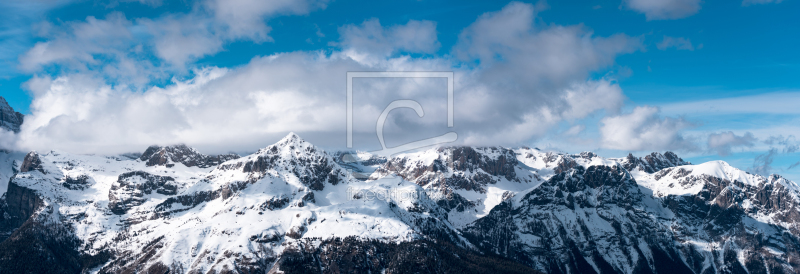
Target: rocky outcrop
column 653, row 162
column 80, row 182
column 130, row 188
column 457, row 168
column 16, row 206
column 312, row 166
column 9, row 119
column 190, row 157
column 32, row 162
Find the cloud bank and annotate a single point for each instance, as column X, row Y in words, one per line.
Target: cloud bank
column 515, row 81
column 723, row 142
column 643, row 129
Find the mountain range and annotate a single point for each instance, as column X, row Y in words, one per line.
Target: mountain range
column 292, row 207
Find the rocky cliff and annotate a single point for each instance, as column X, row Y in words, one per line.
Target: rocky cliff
column 9, row 119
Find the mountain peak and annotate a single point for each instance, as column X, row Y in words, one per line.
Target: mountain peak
column 181, row 153
column 9, row 119
column 653, row 162
column 291, row 138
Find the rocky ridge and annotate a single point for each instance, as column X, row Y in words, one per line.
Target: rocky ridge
column 190, row 157
column 292, row 207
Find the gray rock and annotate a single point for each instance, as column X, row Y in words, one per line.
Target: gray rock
column 32, row 162
column 131, row 187
column 190, row 157
column 9, row 119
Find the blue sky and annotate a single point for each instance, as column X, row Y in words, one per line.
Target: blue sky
column 708, row 79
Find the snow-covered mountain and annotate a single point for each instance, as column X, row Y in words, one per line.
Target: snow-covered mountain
column 292, row 207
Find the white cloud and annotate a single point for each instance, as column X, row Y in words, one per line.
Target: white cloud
column 181, row 39
column 644, row 129
column 175, row 38
column 246, row 18
column 759, row 2
column 576, row 102
column 678, row 43
column 723, row 142
column 373, row 39
column 665, row 9
column 78, row 43
column 7, row 139
column 510, row 47
column 504, row 95
column 232, row 109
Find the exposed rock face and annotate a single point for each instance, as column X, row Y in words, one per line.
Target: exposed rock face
column 556, row 227
column 169, row 155
column 312, row 166
column 653, row 162
column 131, row 187
column 773, row 198
column 80, row 182
column 465, row 181
column 457, row 168
column 31, row 162
column 16, row 206
column 597, row 220
column 32, row 243
column 9, row 119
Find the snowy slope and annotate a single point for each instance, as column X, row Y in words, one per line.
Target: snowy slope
column 467, row 182
column 244, row 212
column 598, row 217
column 292, row 206
column 9, row 162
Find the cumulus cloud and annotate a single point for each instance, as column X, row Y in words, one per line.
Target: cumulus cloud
column 174, row 38
column 664, row 9
column 181, row 39
column 678, row 43
column 7, row 139
column 508, row 42
column 723, row 142
column 218, row 107
column 644, row 129
column 574, row 102
column 79, row 43
column 504, row 95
